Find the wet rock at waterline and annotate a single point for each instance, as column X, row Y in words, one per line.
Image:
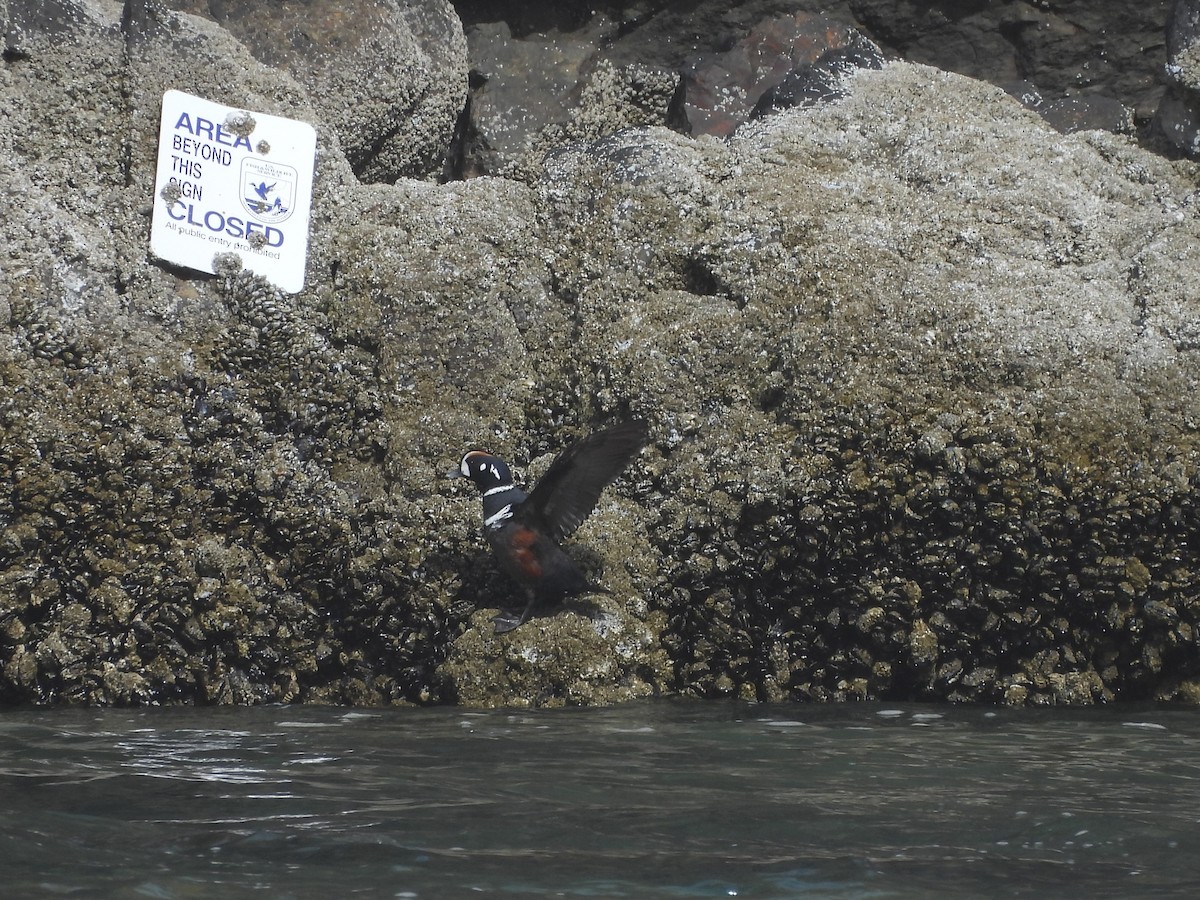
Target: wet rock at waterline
column 922, row 373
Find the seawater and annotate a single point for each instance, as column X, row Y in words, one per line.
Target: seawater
column 656, row 799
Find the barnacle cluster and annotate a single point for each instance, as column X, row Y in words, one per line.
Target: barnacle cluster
column 172, row 530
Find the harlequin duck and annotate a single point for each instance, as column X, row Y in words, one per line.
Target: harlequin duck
column 524, row 530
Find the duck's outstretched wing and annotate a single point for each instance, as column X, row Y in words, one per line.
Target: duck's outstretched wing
column 571, row 487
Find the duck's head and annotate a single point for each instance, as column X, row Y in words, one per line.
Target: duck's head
column 487, row 471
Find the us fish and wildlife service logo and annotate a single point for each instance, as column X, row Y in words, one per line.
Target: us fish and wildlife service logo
column 268, row 189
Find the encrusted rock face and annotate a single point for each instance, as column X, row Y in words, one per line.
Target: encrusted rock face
column 921, row 373
column 720, row 90
column 1081, row 66
column 389, row 78
column 902, row 460
column 1178, row 116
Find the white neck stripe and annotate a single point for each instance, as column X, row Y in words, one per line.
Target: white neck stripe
column 498, row 490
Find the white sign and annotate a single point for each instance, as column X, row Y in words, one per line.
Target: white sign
column 231, row 181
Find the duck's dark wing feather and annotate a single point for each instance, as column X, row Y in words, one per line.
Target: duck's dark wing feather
column 571, row 487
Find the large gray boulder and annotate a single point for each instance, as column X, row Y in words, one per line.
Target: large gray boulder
column 389, row 77
column 921, row 373
column 1178, row 116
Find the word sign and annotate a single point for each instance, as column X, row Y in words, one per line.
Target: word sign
column 231, row 181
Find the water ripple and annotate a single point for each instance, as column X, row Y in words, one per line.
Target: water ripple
column 656, row 799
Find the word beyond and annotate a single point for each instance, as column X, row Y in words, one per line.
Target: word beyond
column 229, row 181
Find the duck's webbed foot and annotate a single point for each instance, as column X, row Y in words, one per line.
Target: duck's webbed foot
column 506, row 620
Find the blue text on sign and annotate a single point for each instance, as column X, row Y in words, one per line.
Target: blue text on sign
column 211, row 131
column 218, row 222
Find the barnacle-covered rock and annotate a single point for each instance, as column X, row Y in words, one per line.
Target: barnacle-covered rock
column 389, row 77
column 921, row 376
column 822, row 488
